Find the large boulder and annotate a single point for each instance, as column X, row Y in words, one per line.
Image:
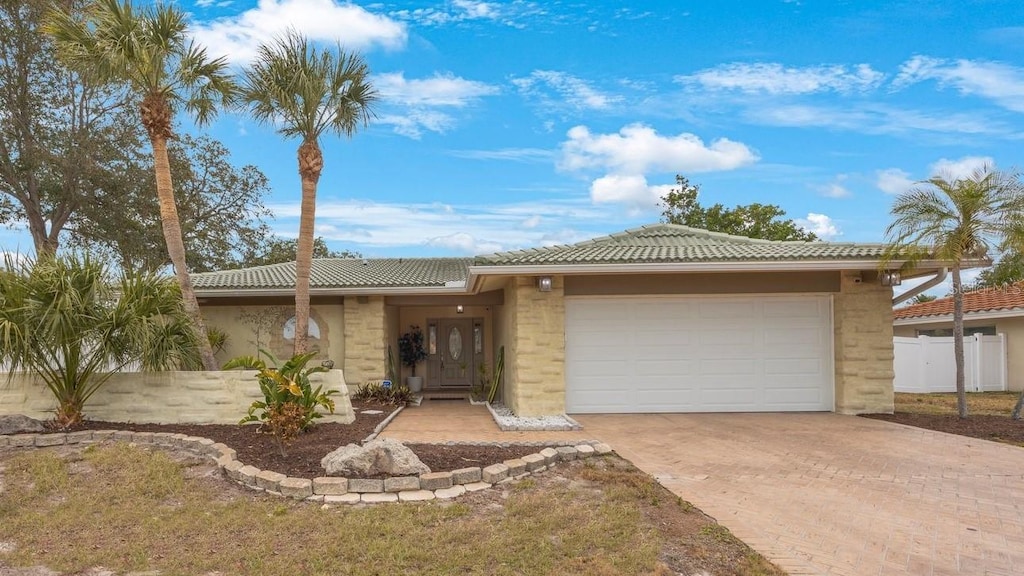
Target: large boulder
column 381, row 456
column 19, row 424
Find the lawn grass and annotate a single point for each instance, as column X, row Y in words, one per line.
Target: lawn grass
column 978, row 403
column 129, row 509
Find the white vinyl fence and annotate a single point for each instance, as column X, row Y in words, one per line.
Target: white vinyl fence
column 927, row 364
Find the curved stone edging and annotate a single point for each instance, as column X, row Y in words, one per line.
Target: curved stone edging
column 329, row 489
column 383, row 424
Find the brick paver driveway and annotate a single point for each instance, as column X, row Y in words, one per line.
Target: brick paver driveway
column 829, row 494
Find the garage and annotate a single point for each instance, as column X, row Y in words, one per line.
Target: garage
column 698, row 354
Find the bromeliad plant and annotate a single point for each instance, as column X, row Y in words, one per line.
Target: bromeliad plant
column 290, row 402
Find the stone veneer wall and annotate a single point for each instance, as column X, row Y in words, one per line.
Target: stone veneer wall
column 366, row 346
column 535, row 359
column 863, row 346
column 166, row 397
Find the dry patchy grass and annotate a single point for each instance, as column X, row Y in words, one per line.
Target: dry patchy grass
column 978, row 403
column 130, row 509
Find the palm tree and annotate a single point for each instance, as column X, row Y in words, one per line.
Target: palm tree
column 148, row 50
column 64, row 321
column 955, row 220
column 304, row 92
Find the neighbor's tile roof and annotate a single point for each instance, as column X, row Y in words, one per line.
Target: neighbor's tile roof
column 343, row 273
column 1007, row 297
column 673, row 243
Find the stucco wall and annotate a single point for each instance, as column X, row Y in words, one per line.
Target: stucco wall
column 254, row 326
column 1013, row 328
column 535, row 361
column 863, row 346
column 365, row 329
column 165, row 397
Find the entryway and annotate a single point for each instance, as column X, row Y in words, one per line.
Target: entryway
column 455, row 348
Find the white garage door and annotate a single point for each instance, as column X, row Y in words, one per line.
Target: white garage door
column 699, row 354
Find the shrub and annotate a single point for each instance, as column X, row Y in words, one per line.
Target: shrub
column 397, row 395
column 410, row 348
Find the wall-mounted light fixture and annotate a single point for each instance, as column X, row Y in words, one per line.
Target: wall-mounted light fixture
column 459, row 309
column 890, row 278
column 544, row 283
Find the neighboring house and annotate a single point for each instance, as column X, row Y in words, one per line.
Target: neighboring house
column 988, row 311
column 662, row 318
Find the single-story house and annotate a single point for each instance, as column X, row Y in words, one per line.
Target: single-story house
column 988, row 311
column 661, row 318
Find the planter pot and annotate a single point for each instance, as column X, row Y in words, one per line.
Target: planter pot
column 415, row 383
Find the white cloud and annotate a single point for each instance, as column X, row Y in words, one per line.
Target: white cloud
column 820, row 225
column 532, row 221
column 631, row 190
column 960, row 168
column 776, row 79
column 466, row 11
column 637, row 149
column 438, row 90
column 835, row 189
column 413, row 123
column 511, row 154
column 572, row 91
column 893, row 181
column 464, row 243
column 238, row 36
column 871, row 119
column 1001, row 83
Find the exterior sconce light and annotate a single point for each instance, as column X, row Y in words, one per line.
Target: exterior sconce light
column 459, row 309
column 890, row 278
column 544, row 284
column 329, row 364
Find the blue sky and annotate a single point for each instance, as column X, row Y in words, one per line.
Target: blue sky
column 506, row 125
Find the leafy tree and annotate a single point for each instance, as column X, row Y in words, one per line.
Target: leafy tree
column 220, row 208
column 65, row 322
column 148, row 51
column 61, row 133
column 922, row 298
column 304, row 92
column 281, row 250
column 763, row 221
column 1009, row 269
column 956, row 220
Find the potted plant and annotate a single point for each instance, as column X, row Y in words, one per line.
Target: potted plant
column 411, row 352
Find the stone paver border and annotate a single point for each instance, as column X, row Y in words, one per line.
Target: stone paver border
column 334, row 489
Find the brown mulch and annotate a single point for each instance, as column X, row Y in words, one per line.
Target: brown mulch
column 988, row 427
column 303, row 455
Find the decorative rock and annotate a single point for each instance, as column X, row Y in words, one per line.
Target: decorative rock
column 401, row 483
column 232, row 469
column 269, row 480
column 79, row 437
column 223, row 461
column 216, row 450
column 229, row 452
column 534, row 462
column 101, row 435
column 315, row 498
column 49, row 440
column 465, row 475
column 164, row 438
column 516, row 466
column 297, row 488
column 446, row 493
column 378, row 498
column 365, row 485
column 123, row 435
column 22, row 440
column 376, row 457
column 602, row 448
column 142, row 437
column 349, row 498
column 566, row 453
column 550, row 456
column 494, row 473
column 415, row 495
column 584, row 451
column 330, row 485
column 20, row 424
column 477, row 486
column 435, row 480
column 372, row 412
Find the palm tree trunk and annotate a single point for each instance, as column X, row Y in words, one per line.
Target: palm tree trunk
column 958, row 341
column 176, row 247
column 311, row 162
column 1020, row 404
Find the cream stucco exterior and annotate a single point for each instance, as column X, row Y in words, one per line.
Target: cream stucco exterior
column 1011, row 326
column 365, row 332
column 862, row 322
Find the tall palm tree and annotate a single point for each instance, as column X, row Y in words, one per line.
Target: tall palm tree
column 148, row 50
column 956, row 220
column 304, row 92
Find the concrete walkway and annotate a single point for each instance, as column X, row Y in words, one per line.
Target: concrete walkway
column 816, row 493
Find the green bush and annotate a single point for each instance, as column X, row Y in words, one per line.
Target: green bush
column 397, row 395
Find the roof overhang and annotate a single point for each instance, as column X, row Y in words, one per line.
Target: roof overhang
column 350, row 291
column 940, row 318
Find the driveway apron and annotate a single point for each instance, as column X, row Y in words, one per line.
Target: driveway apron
column 826, row 494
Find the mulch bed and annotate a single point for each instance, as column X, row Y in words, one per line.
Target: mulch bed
column 987, row 427
column 303, row 456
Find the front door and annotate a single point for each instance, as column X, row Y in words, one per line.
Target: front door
column 455, row 352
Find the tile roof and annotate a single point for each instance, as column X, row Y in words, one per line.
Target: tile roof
column 1007, row 297
column 343, row 273
column 662, row 243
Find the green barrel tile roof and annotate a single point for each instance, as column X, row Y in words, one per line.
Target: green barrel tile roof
column 343, row 273
column 662, row 243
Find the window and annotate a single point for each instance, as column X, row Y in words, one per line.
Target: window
column 968, row 331
column 312, row 332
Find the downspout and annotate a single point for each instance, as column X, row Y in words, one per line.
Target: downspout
column 940, row 277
